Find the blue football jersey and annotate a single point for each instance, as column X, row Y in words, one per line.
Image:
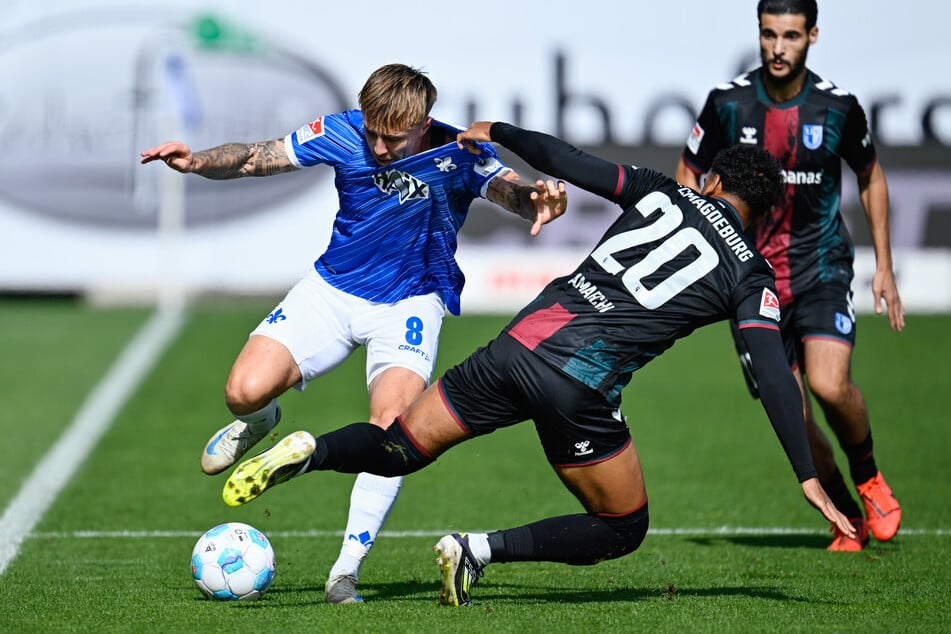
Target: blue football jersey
column 394, row 235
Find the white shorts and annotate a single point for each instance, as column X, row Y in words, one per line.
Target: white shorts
column 322, row 326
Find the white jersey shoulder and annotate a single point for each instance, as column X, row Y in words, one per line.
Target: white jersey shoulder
column 825, row 85
column 741, row 81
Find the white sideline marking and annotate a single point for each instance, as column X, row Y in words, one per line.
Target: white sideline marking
column 92, row 420
column 739, row 531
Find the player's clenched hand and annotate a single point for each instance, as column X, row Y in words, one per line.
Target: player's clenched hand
column 175, row 154
column 478, row 132
column 818, row 498
column 551, row 201
column 885, row 289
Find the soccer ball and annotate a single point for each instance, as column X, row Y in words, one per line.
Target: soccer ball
column 233, row 562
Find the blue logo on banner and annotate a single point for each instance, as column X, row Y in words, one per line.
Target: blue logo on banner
column 812, row 136
column 843, row 324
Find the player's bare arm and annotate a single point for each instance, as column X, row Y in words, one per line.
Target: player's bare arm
column 232, row 160
column 873, row 192
column 539, row 204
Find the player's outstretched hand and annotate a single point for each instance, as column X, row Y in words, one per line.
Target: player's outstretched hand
column 551, row 201
column 818, row 498
column 884, row 288
column 478, row 132
column 175, row 154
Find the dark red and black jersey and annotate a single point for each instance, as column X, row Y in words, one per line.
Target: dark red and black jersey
column 804, row 238
column 672, row 262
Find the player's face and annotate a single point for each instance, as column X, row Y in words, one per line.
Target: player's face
column 784, row 44
column 391, row 145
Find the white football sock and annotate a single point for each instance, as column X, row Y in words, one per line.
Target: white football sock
column 371, row 499
column 479, row 545
column 267, row 416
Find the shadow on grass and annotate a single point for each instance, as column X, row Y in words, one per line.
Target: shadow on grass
column 767, row 541
column 812, row 542
column 418, row 592
column 427, row 592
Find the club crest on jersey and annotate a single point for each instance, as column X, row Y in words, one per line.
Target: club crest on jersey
column 769, row 305
column 445, row 164
column 749, row 135
column 406, row 185
column 310, row 131
column 843, row 324
column 812, row 136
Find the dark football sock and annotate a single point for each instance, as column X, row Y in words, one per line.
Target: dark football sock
column 579, row 540
column 364, row 447
column 839, row 493
column 861, row 460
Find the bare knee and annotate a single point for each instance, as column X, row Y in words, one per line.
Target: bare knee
column 263, row 371
column 385, row 418
column 391, row 393
column 247, row 392
column 832, row 392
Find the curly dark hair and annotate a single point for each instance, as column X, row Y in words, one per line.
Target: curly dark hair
column 752, row 174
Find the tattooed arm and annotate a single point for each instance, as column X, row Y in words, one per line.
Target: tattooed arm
column 232, row 160
column 539, row 204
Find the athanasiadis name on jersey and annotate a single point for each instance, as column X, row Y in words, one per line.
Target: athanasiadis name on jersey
column 715, row 217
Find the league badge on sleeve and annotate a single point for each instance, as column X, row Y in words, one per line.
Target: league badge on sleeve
column 696, row 136
column 310, row 131
column 769, row 305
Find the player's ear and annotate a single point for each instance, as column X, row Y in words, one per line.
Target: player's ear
column 712, row 185
column 813, row 35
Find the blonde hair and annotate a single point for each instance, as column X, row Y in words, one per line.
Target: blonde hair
column 396, row 97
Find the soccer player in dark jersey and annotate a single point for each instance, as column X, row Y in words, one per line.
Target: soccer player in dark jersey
column 674, row 261
column 810, row 125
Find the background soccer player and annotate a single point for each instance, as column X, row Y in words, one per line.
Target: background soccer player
column 810, row 125
column 385, row 280
column 674, row 261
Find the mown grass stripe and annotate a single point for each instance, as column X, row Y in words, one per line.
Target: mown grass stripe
column 59, row 464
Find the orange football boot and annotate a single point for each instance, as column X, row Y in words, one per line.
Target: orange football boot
column 842, row 543
column 881, row 507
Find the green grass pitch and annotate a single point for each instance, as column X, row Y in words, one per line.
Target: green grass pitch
column 733, row 546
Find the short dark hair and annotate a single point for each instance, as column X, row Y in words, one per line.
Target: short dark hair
column 752, row 174
column 806, row 8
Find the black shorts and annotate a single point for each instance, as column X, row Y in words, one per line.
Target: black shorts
column 504, row 383
column 825, row 312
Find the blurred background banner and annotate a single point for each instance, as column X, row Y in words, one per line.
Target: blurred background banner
column 84, row 89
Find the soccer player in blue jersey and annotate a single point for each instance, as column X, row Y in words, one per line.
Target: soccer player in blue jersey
column 810, row 125
column 384, row 281
column 674, row 261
